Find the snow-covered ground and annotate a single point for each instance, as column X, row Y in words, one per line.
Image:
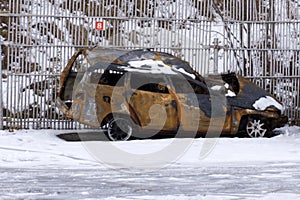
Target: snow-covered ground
column 36, row 164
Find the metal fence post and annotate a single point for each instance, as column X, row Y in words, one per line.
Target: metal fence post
column 1, row 103
column 216, row 51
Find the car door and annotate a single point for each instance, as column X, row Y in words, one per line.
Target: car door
column 199, row 109
column 152, row 102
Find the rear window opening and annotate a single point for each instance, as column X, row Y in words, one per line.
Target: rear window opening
column 72, row 79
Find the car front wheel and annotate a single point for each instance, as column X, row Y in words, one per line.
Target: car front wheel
column 119, row 129
column 256, row 128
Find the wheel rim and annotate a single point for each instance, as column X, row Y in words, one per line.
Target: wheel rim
column 255, row 128
column 119, row 130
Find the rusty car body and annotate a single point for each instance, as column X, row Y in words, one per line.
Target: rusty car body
column 138, row 93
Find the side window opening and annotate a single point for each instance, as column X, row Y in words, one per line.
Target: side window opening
column 153, row 83
column 182, row 85
column 155, row 87
column 199, row 89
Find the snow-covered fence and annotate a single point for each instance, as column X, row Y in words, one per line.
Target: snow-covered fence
column 257, row 38
column 262, row 42
column 43, row 34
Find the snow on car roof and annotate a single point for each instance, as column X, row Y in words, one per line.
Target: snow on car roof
column 149, row 66
column 141, row 60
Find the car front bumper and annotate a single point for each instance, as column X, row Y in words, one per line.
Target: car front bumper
column 279, row 122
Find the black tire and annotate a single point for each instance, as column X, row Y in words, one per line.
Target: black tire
column 120, row 128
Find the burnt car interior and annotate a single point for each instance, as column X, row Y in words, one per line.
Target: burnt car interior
column 67, row 89
column 154, row 84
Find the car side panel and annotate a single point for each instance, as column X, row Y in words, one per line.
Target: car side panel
column 199, row 115
column 110, row 99
column 155, row 111
column 192, row 118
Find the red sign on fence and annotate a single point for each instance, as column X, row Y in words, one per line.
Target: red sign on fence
column 100, row 25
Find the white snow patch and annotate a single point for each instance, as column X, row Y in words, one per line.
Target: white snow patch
column 277, row 196
column 230, row 94
column 185, row 72
column 150, row 66
column 216, row 87
column 36, row 148
column 265, row 102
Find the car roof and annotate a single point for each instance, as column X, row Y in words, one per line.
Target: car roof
column 140, row 61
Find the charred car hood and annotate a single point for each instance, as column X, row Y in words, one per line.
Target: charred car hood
column 253, row 97
column 242, row 93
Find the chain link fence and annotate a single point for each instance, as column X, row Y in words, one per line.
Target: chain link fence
column 255, row 38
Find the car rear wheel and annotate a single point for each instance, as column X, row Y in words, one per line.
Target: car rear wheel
column 256, row 128
column 119, row 129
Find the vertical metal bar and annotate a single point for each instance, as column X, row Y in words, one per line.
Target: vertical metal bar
column 1, row 103
column 216, row 51
column 206, row 35
column 10, row 38
column 15, row 78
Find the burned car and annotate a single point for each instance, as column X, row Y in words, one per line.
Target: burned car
column 138, row 93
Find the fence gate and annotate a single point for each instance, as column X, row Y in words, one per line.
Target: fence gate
column 256, row 38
